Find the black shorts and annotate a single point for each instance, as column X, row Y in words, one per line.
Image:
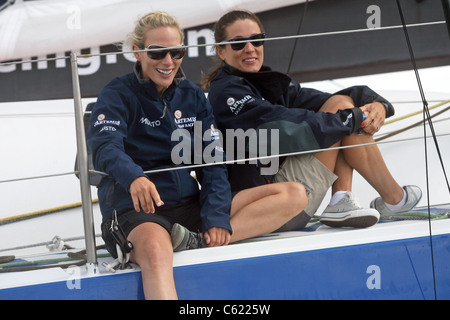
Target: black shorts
column 186, row 214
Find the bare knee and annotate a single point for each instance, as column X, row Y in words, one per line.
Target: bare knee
column 156, row 256
column 337, row 102
column 296, row 193
column 152, row 254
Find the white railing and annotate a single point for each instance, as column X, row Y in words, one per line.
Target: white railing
column 82, row 154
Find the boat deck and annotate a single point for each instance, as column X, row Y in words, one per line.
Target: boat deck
column 391, row 260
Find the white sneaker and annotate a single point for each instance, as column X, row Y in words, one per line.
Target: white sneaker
column 349, row 213
column 413, row 196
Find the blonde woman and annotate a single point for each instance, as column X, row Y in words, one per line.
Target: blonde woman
column 130, row 132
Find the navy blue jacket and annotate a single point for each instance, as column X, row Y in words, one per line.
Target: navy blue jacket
column 130, row 132
column 272, row 100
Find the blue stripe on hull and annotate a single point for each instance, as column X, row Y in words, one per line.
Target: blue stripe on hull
column 400, row 269
column 405, row 272
column 126, row 286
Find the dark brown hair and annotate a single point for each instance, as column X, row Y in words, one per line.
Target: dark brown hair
column 220, row 35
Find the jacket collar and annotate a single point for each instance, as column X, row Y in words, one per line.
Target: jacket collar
column 270, row 84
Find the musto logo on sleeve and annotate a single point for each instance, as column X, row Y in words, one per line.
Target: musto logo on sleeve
column 107, row 125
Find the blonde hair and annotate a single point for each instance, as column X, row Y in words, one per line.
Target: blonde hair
column 150, row 21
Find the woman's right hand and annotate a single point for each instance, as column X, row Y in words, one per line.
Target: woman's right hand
column 144, row 195
column 217, row 237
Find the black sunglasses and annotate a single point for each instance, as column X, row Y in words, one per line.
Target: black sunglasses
column 176, row 54
column 241, row 45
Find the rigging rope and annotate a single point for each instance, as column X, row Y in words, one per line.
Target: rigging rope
column 410, row 126
column 73, row 259
column 416, row 113
column 298, row 33
column 39, row 213
column 426, row 117
column 319, row 34
column 257, row 158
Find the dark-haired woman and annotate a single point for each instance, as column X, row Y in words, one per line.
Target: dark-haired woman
column 248, row 95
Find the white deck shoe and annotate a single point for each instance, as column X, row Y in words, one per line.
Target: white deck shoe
column 349, row 213
column 413, row 196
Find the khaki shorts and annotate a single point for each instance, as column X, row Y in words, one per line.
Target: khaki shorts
column 312, row 174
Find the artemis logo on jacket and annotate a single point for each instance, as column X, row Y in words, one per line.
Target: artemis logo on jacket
column 236, row 106
column 185, row 122
column 110, row 122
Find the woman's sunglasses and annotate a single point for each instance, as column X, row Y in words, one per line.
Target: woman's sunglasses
column 241, row 45
column 176, row 54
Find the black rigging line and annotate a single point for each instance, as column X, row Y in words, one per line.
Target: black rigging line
column 298, row 33
column 422, row 94
column 426, row 116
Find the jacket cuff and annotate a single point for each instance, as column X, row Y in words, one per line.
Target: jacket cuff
column 358, row 118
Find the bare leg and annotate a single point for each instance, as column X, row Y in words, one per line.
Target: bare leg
column 344, row 171
column 153, row 252
column 254, row 212
column 341, row 169
column 367, row 160
column 263, row 209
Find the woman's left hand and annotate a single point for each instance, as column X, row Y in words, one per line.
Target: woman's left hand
column 375, row 117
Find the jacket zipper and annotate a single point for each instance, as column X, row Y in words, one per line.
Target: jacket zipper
column 175, row 172
column 164, row 110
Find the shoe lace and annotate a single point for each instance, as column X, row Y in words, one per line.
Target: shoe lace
column 352, row 201
column 195, row 240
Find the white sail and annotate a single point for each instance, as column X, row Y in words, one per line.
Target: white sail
column 38, row 28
